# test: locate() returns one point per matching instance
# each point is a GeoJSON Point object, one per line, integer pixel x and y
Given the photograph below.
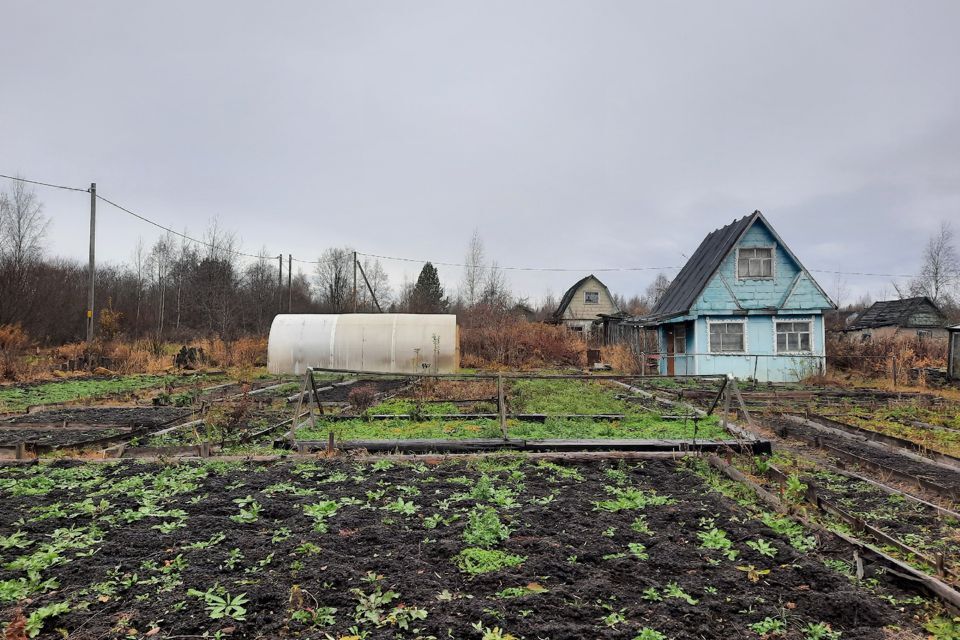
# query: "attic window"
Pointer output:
{"type": "Point", "coordinates": [591, 297]}
{"type": "Point", "coordinates": [755, 262]}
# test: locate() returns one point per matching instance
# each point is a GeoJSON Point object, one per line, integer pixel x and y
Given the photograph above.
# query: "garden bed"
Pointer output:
{"type": "Point", "coordinates": [386, 550]}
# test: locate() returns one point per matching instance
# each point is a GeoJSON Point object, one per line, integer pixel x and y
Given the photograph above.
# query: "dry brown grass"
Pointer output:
{"type": "Point", "coordinates": [13, 343]}
{"type": "Point", "coordinates": [512, 343]}
{"type": "Point", "coordinates": [620, 357]}
{"type": "Point", "coordinates": [875, 357]}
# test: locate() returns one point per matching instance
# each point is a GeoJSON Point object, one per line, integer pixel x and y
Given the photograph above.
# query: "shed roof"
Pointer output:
{"type": "Point", "coordinates": [888, 313]}
{"type": "Point", "coordinates": [568, 296]}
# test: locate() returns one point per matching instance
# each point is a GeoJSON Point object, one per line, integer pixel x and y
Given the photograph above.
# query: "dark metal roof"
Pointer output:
{"type": "Point", "coordinates": [888, 313]}
{"type": "Point", "coordinates": [568, 296]}
{"type": "Point", "coordinates": [695, 275]}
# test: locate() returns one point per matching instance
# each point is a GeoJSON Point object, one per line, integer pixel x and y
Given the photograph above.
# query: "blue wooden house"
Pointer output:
{"type": "Point", "coordinates": [742, 305]}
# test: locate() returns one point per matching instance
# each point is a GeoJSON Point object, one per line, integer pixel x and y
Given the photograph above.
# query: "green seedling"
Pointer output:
{"type": "Point", "coordinates": [769, 627]}
{"type": "Point", "coordinates": [649, 634]}
{"type": "Point", "coordinates": [716, 539]}
{"type": "Point", "coordinates": [36, 620]}
{"type": "Point", "coordinates": [484, 528]}
{"type": "Point", "coordinates": [763, 547]}
{"type": "Point", "coordinates": [475, 561]}
{"type": "Point", "coordinates": [222, 606]}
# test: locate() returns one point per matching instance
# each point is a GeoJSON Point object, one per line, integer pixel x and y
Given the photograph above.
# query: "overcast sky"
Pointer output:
{"type": "Point", "coordinates": [572, 134]}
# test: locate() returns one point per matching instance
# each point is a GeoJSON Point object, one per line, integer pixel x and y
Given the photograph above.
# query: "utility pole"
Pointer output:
{"type": "Point", "coordinates": [93, 260]}
{"type": "Point", "coordinates": [280, 284]}
{"type": "Point", "coordinates": [354, 281]}
{"type": "Point", "coordinates": [289, 283]}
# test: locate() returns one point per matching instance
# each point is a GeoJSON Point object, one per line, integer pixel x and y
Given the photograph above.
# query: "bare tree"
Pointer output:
{"type": "Point", "coordinates": [334, 278]}
{"type": "Point", "coordinates": [261, 281]}
{"type": "Point", "coordinates": [656, 289]}
{"type": "Point", "coordinates": [475, 277]}
{"type": "Point", "coordinates": [496, 290]}
{"type": "Point", "coordinates": [379, 282]}
{"type": "Point", "coordinates": [940, 273]}
{"type": "Point", "coordinates": [22, 229]}
{"type": "Point", "coordinates": [139, 266]}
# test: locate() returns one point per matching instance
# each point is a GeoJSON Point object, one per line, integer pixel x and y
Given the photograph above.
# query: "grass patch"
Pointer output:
{"type": "Point", "coordinates": [19, 398]}
{"type": "Point", "coordinates": [476, 561]}
{"type": "Point", "coordinates": [648, 426]}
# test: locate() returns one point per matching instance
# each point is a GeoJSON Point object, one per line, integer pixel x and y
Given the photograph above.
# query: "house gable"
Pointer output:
{"type": "Point", "coordinates": [789, 287]}
{"type": "Point", "coordinates": [575, 304]}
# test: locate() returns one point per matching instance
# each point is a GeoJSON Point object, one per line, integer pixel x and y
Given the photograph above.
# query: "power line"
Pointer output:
{"type": "Point", "coordinates": [45, 184]}
{"type": "Point", "coordinates": [417, 260]}
{"type": "Point", "coordinates": [211, 245]}
{"type": "Point", "coordinates": [562, 269]}
{"type": "Point", "coordinates": [856, 273]}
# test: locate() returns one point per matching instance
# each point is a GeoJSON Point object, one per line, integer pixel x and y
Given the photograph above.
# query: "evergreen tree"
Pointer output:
{"type": "Point", "coordinates": [428, 293]}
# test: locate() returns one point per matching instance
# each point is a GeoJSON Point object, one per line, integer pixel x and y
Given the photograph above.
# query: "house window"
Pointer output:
{"type": "Point", "coordinates": [591, 297]}
{"type": "Point", "coordinates": [727, 337]}
{"type": "Point", "coordinates": [923, 334]}
{"type": "Point", "coordinates": [756, 262]}
{"type": "Point", "coordinates": [680, 339]}
{"type": "Point", "coordinates": [793, 337]}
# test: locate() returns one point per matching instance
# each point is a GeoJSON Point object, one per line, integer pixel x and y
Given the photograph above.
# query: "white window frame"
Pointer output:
{"type": "Point", "coordinates": [773, 262]}
{"type": "Point", "coordinates": [587, 293]}
{"type": "Point", "coordinates": [746, 345]}
{"type": "Point", "coordinates": [786, 319]}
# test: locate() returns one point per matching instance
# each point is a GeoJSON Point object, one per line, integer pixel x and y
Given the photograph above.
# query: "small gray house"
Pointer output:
{"type": "Point", "coordinates": [916, 317]}
{"type": "Point", "coordinates": [584, 304]}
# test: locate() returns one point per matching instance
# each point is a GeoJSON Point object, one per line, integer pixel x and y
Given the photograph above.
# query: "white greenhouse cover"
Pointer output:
{"type": "Point", "coordinates": [374, 342]}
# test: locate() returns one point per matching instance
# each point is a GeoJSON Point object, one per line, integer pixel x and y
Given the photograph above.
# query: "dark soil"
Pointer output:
{"type": "Point", "coordinates": [139, 576]}
{"type": "Point", "coordinates": [340, 393]}
{"type": "Point", "coordinates": [84, 426]}
{"type": "Point", "coordinates": [119, 416]}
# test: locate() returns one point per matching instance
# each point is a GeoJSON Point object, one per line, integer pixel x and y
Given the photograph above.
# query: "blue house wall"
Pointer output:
{"type": "Point", "coordinates": [790, 294]}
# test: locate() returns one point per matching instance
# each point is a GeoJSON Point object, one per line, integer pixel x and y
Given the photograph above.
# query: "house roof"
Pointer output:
{"type": "Point", "coordinates": [568, 296]}
{"type": "Point", "coordinates": [704, 262]}
{"type": "Point", "coordinates": [889, 313]}
{"type": "Point", "coordinates": [683, 291]}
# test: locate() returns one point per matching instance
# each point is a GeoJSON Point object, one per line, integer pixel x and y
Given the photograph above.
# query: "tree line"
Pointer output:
{"type": "Point", "coordinates": [176, 289]}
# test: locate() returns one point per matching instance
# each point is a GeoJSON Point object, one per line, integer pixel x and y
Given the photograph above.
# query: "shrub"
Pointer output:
{"type": "Point", "coordinates": [13, 342]}
{"type": "Point", "coordinates": [874, 358]}
{"type": "Point", "coordinates": [511, 343]}
{"type": "Point", "coordinates": [362, 397]}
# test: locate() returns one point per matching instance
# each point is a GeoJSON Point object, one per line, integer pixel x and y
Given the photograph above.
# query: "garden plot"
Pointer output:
{"type": "Point", "coordinates": [929, 530]}
{"type": "Point", "coordinates": [78, 427]}
{"type": "Point", "coordinates": [19, 398]}
{"type": "Point", "coordinates": [544, 409]}
{"type": "Point", "coordinates": [939, 479]}
{"type": "Point", "coordinates": [491, 548]}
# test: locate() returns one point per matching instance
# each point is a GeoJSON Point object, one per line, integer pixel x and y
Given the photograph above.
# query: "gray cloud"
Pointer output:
{"type": "Point", "coordinates": [571, 133]}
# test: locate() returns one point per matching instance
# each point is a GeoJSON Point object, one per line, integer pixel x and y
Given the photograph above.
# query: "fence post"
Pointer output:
{"type": "Point", "coordinates": [502, 406]}
{"type": "Point", "coordinates": [894, 371]}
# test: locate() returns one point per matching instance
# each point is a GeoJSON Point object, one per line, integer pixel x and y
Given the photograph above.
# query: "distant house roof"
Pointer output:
{"type": "Point", "coordinates": [568, 296]}
{"type": "Point", "coordinates": [900, 313]}
{"type": "Point", "coordinates": [704, 262]}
